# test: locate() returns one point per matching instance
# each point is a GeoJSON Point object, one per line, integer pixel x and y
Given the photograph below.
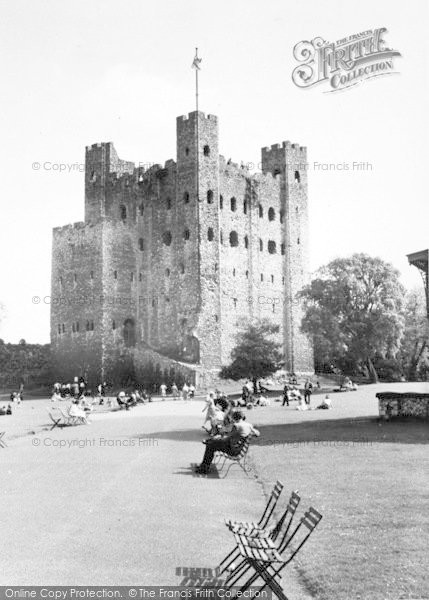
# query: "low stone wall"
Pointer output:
{"type": "Point", "coordinates": [399, 405]}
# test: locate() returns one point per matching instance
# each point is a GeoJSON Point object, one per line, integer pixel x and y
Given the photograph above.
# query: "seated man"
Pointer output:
{"type": "Point", "coordinates": [123, 400]}
{"type": "Point", "coordinates": [230, 443]}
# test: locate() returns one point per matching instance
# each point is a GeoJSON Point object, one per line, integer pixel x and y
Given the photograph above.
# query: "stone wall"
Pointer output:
{"type": "Point", "coordinates": [393, 405]}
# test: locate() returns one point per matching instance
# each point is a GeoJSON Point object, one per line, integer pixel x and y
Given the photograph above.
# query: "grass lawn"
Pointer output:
{"type": "Point", "coordinates": [370, 482]}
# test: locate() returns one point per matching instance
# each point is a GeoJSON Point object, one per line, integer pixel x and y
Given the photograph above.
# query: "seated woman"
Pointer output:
{"type": "Point", "coordinates": [77, 411]}
{"type": "Point", "coordinates": [230, 443]}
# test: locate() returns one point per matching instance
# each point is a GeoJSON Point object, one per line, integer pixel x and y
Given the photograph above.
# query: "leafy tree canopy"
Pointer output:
{"type": "Point", "coordinates": [353, 311]}
{"type": "Point", "coordinates": [256, 354]}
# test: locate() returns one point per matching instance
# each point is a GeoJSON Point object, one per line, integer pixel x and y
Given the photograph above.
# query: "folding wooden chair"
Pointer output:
{"type": "Point", "coordinates": [56, 420]}
{"type": "Point", "coordinates": [263, 539]}
{"type": "Point", "coordinates": [267, 563]}
{"type": "Point", "coordinates": [239, 459]}
{"type": "Point", "coordinates": [68, 419]}
{"type": "Point", "coordinates": [250, 527]}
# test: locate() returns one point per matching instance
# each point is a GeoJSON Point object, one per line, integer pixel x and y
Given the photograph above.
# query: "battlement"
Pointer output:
{"type": "Point", "coordinates": [70, 227]}
{"type": "Point", "coordinates": [192, 115]}
{"type": "Point", "coordinates": [287, 144]}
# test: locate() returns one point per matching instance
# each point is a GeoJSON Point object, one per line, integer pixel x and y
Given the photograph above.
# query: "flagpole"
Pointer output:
{"type": "Point", "coordinates": [198, 129]}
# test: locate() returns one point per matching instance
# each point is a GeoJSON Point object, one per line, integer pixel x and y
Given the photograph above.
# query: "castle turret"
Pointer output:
{"type": "Point", "coordinates": [289, 162]}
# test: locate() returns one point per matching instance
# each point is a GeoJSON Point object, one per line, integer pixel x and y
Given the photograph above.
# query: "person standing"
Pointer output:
{"type": "Point", "coordinates": [286, 395]}
{"type": "Point", "coordinates": [191, 391]}
{"type": "Point", "coordinates": [175, 391]}
{"type": "Point", "coordinates": [163, 390]}
{"type": "Point", "coordinates": [185, 391]}
{"type": "Point", "coordinates": [308, 390]}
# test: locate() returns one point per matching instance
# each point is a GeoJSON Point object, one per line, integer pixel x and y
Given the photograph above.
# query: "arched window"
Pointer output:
{"type": "Point", "coordinates": [282, 216]}
{"type": "Point", "coordinates": [115, 274]}
{"type": "Point", "coordinates": [246, 241]}
{"type": "Point", "coordinates": [206, 150]}
{"type": "Point", "coordinates": [221, 236]}
{"type": "Point", "coordinates": [129, 333]}
{"type": "Point", "coordinates": [166, 238]}
{"type": "Point", "coordinates": [141, 244]}
{"type": "Point", "coordinates": [140, 276]}
{"type": "Point", "coordinates": [283, 248]}
{"type": "Point", "coordinates": [186, 197]}
{"type": "Point", "coordinates": [221, 201]}
{"type": "Point", "coordinates": [233, 239]}
{"type": "Point", "coordinates": [272, 278]}
{"type": "Point", "coordinates": [247, 274]}
{"type": "Point", "coordinates": [91, 275]}
{"type": "Point", "coordinates": [141, 209]}
{"type": "Point", "coordinates": [272, 249]}
{"type": "Point", "coordinates": [245, 207]}
{"type": "Point", "coordinates": [233, 204]}
{"type": "Point", "coordinates": [262, 277]}
{"type": "Point", "coordinates": [261, 245]}
{"type": "Point", "coordinates": [210, 234]}
{"type": "Point", "coordinates": [91, 326]}
{"type": "Point", "coordinates": [167, 272]}
{"type": "Point", "coordinates": [186, 234]}
{"type": "Point", "coordinates": [123, 212]}
{"type": "Point", "coordinates": [187, 151]}
{"type": "Point", "coordinates": [132, 276]}
{"type": "Point", "coordinates": [233, 272]}
{"type": "Point", "coordinates": [261, 211]}
{"type": "Point", "coordinates": [113, 324]}
{"type": "Point", "coordinates": [271, 214]}
{"type": "Point", "coordinates": [168, 202]}
{"type": "Point", "coordinates": [182, 268]}
{"type": "Point", "coordinates": [77, 326]}
{"type": "Point", "coordinates": [297, 177]}
{"type": "Point", "coordinates": [210, 196]}
{"type": "Point", "coordinates": [88, 325]}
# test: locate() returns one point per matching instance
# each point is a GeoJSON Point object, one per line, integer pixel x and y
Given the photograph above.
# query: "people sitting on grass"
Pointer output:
{"type": "Point", "coordinates": [123, 400]}
{"type": "Point", "coordinates": [230, 443]}
{"type": "Point", "coordinates": [326, 403]}
{"type": "Point", "coordinates": [6, 410]}
{"type": "Point", "coordinates": [347, 386]}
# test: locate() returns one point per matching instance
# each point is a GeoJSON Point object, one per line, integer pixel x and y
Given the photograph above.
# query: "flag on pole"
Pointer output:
{"type": "Point", "coordinates": [196, 63]}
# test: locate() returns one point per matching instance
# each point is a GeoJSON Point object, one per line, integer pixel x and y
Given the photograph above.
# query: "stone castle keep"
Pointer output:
{"type": "Point", "coordinates": [171, 261]}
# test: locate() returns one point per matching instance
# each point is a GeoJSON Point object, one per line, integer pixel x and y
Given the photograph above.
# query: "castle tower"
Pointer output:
{"type": "Point", "coordinates": [198, 197]}
{"type": "Point", "coordinates": [289, 162]}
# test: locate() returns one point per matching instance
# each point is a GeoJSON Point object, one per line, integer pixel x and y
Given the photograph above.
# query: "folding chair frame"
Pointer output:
{"type": "Point", "coordinates": [263, 565]}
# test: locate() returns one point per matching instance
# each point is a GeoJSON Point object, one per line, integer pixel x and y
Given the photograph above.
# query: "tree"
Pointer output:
{"type": "Point", "coordinates": [256, 354]}
{"type": "Point", "coordinates": [414, 345]}
{"type": "Point", "coordinates": [353, 311]}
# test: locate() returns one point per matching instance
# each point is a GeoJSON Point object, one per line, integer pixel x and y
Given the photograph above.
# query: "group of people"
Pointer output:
{"type": "Point", "coordinates": [186, 393]}
{"type": "Point", "coordinates": [75, 390]}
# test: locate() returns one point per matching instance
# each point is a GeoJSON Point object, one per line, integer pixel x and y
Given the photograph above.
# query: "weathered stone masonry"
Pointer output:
{"type": "Point", "coordinates": [171, 260]}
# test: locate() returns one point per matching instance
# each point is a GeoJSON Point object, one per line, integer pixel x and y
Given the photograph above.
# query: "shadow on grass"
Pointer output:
{"type": "Point", "coordinates": [356, 431]}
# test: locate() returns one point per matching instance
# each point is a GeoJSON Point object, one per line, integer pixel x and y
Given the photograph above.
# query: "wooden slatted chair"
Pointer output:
{"type": "Point", "coordinates": [267, 563]}
{"type": "Point", "coordinates": [262, 540]}
{"type": "Point", "coordinates": [57, 420]}
{"type": "Point", "coordinates": [250, 527]}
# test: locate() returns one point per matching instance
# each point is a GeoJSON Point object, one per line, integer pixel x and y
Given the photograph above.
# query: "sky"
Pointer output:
{"type": "Point", "coordinates": [76, 73]}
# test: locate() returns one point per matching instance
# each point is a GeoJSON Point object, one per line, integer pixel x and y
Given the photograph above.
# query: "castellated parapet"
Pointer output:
{"type": "Point", "coordinates": [172, 260]}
